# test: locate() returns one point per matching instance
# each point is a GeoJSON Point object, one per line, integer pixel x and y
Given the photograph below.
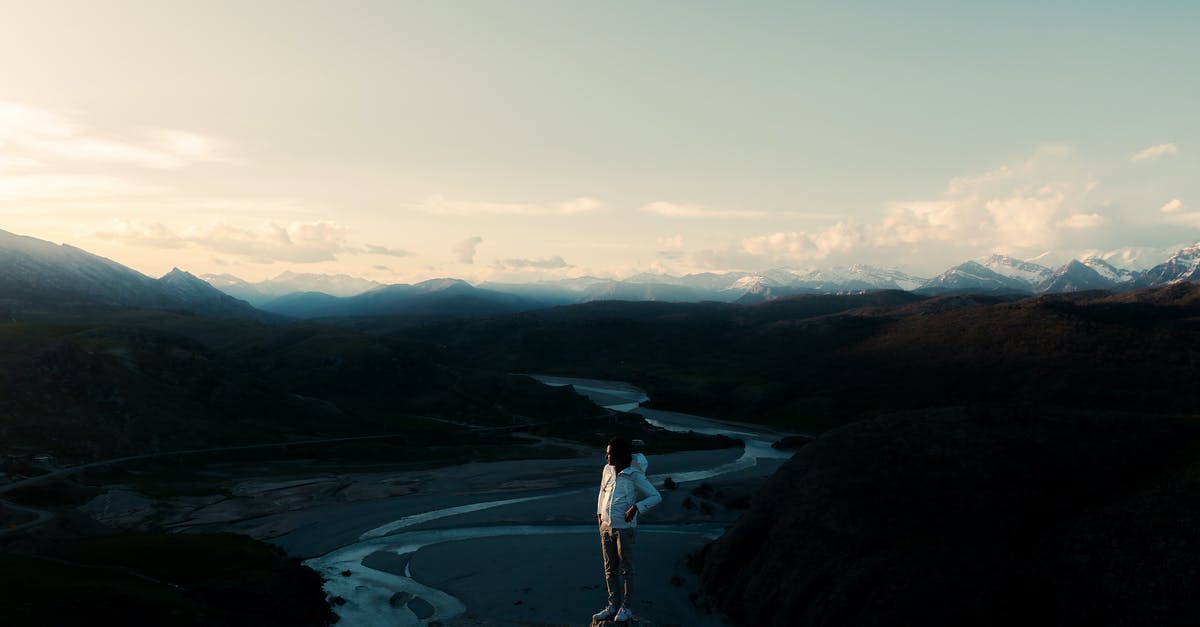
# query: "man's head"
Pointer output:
{"type": "Point", "coordinates": [619, 453]}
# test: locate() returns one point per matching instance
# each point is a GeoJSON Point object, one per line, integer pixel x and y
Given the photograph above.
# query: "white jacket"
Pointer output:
{"type": "Point", "coordinates": [619, 491]}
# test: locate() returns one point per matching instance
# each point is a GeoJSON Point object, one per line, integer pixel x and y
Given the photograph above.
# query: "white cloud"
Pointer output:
{"type": "Point", "coordinates": [583, 204]}
{"type": "Point", "coordinates": [464, 251]}
{"type": "Point", "coordinates": [192, 146]}
{"type": "Point", "coordinates": [440, 205]}
{"type": "Point", "coordinates": [1025, 217]}
{"type": "Point", "coordinates": [53, 139]}
{"type": "Point", "coordinates": [1154, 152]}
{"type": "Point", "coordinates": [373, 249]}
{"type": "Point", "coordinates": [550, 263]}
{"type": "Point", "coordinates": [11, 163]}
{"type": "Point", "coordinates": [154, 235]}
{"type": "Point", "coordinates": [674, 242]}
{"type": "Point", "coordinates": [297, 242]}
{"type": "Point", "coordinates": [840, 237]}
{"type": "Point", "coordinates": [41, 187]}
{"type": "Point", "coordinates": [1082, 221]}
{"type": "Point", "coordinates": [18, 122]}
{"type": "Point", "coordinates": [1026, 206]}
{"type": "Point", "coordinates": [677, 210]}
{"type": "Point", "coordinates": [962, 183]}
{"type": "Point", "coordinates": [1173, 206]}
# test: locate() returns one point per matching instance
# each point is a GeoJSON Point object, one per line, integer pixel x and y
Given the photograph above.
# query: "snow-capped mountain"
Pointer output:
{"type": "Point", "coordinates": [1109, 271]}
{"type": "Point", "coordinates": [858, 277]}
{"type": "Point", "coordinates": [1029, 273]}
{"type": "Point", "coordinates": [1075, 276]}
{"type": "Point", "coordinates": [1182, 266]}
{"type": "Point", "coordinates": [972, 275]}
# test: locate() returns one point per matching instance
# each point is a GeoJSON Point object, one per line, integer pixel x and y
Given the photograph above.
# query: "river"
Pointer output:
{"type": "Point", "coordinates": [483, 547]}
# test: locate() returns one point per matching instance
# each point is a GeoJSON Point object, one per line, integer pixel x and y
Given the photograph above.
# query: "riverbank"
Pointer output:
{"type": "Point", "coordinates": [490, 547]}
{"type": "Point", "coordinates": [416, 543]}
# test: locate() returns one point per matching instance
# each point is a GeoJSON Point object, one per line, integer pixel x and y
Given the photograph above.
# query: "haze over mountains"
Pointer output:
{"type": "Point", "coordinates": [42, 271]}
{"type": "Point", "coordinates": [996, 274]}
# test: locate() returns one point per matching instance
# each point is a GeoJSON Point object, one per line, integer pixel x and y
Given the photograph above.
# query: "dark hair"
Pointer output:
{"type": "Point", "coordinates": [622, 451]}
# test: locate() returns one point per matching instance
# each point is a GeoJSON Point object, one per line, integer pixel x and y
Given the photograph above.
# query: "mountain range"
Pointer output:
{"type": "Point", "coordinates": [999, 274]}
{"type": "Point", "coordinates": [35, 270]}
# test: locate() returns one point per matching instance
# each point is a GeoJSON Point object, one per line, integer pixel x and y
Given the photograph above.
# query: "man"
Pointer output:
{"type": "Point", "coordinates": [617, 510]}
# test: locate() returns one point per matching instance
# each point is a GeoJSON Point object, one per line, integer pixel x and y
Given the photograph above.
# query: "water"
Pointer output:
{"type": "Point", "coordinates": [369, 592]}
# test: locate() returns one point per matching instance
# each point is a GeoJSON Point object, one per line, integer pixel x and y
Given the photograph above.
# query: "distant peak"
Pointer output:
{"type": "Point", "coordinates": [177, 273]}
{"type": "Point", "coordinates": [441, 284]}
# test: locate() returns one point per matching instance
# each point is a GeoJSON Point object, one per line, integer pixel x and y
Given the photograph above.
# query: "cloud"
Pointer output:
{"type": "Point", "coordinates": [372, 249]}
{"type": "Point", "coordinates": [192, 147]}
{"type": "Point", "coordinates": [674, 242]}
{"type": "Point", "coordinates": [677, 210]}
{"type": "Point", "coordinates": [298, 242]}
{"type": "Point", "coordinates": [440, 205]}
{"type": "Point", "coordinates": [1028, 206]}
{"type": "Point", "coordinates": [49, 138]}
{"type": "Point", "coordinates": [551, 263]}
{"type": "Point", "coordinates": [961, 183]}
{"type": "Point", "coordinates": [1154, 152]}
{"type": "Point", "coordinates": [11, 163]}
{"type": "Point", "coordinates": [1082, 221]}
{"type": "Point", "coordinates": [673, 255]}
{"type": "Point", "coordinates": [464, 251]}
{"type": "Point", "coordinates": [840, 237]}
{"type": "Point", "coordinates": [29, 187]}
{"type": "Point", "coordinates": [1173, 206]}
{"type": "Point", "coordinates": [145, 235]}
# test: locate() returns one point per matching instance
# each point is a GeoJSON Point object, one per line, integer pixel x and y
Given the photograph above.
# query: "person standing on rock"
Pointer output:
{"type": "Point", "coordinates": [617, 510]}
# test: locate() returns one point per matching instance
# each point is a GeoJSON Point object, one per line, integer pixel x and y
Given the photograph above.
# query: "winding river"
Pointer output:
{"type": "Point", "coordinates": [370, 573]}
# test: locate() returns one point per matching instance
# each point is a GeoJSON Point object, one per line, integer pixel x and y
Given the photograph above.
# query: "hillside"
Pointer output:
{"type": "Point", "coordinates": [140, 382]}
{"type": "Point", "coordinates": [811, 362]}
{"type": "Point", "coordinates": [36, 274]}
{"type": "Point", "coordinates": [972, 516]}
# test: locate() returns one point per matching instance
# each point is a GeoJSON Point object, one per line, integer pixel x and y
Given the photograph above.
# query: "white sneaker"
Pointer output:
{"type": "Point", "coordinates": [623, 614]}
{"type": "Point", "coordinates": [604, 613]}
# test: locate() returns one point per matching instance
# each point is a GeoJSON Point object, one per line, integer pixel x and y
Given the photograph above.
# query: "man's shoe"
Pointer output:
{"type": "Point", "coordinates": [623, 614]}
{"type": "Point", "coordinates": [604, 613]}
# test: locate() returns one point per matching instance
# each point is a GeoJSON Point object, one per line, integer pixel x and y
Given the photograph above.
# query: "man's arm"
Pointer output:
{"type": "Point", "coordinates": [600, 495]}
{"type": "Point", "coordinates": [644, 486]}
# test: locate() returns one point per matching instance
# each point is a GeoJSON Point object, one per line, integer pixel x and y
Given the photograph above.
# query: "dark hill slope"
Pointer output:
{"type": "Point", "coordinates": [141, 382]}
{"type": "Point", "coordinates": [434, 298]}
{"type": "Point", "coordinates": [815, 361]}
{"type": "Point", "coordinates": [36, 275]}
{"type": "Point", "coordinates": [972, 517]}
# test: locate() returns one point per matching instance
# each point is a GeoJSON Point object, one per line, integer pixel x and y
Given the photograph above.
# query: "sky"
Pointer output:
{"type": "Point", "coordinates": [532, 140]}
